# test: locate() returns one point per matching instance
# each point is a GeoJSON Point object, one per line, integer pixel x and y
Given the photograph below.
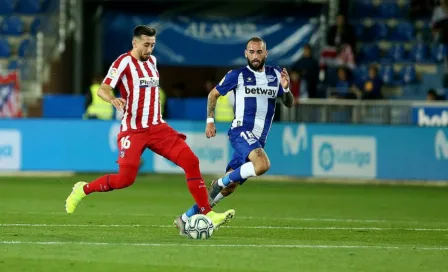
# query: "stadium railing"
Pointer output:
{"type": "Point", "coordinates": [379, 112]}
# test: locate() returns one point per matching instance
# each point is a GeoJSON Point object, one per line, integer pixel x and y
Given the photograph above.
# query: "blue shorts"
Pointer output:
{"type": "Point", "coordinates": [243, 142]}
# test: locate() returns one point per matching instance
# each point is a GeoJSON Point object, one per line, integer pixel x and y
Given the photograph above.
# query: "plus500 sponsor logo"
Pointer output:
{"type": "Point", "coordinates": [433, 117]}
{"type": "Point", "coordinates": [341, 156]}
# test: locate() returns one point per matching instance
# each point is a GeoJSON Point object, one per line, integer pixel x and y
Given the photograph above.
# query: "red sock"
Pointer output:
{"type": "Point", "coordinates": [101, 184]}
{"type": "Point", "coordinates": [199, 192]}
{"type": "Point", "coordinates": [125, 177]}
{"type": "Point", "coordinates": [190, 163]}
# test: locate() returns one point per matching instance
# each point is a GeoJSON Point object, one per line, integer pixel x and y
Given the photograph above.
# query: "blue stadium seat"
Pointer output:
{"type": "Point", "coordinates": [397, 52]}
{"type": "Point", "coordinates": [419, 52]}
{"type": "Point", "coordinates": [387, 74]}
{"type": "Point", "coordinates": [370, 52]}
{"type": "Point", "coordinates": [28, 6]}
{"type": "Point", "coordinates": [5, 48]}
{"type": "Point", "coordinates": [13, 65]}
{"type": "Point", "coordinates": [6, 7]}
{"type": "Point", "coordinates": [379, 31]}
{"type": "Point", "coordinates": [27, 48]}
{"type": "Point", "coordinates": [403, 31]}
{"type": "Point", "coordinates": [388, 10]}
{"type": "Point", "coordinates": [12, 26]}
{"type": "Point", "coordinates": [439, 52]}
{"type": "Point", "coordinates": [408, 74]}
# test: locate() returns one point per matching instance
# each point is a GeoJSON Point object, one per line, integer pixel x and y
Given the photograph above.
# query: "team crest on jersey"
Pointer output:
{"type": "Point", "coordinates": [148, 82]}
{"type": "Point", "coordinates": [271, 78]}
{"type": "Point", "coordinates": [112, 73]}
{"type": "Point", "coordinates": [122, 153]}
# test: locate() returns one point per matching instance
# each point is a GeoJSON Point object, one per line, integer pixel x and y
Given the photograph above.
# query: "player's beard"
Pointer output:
{"type": "Point", "coordinates": [258, 67]}
{"type": "Point", "coordinates": [145, 57]}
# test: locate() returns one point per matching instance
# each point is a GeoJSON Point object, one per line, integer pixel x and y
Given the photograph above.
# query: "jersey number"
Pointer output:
{"type": "Point", "coordinates": [125, 142]}
{"type": "Point", "coordinates": [249, 137]}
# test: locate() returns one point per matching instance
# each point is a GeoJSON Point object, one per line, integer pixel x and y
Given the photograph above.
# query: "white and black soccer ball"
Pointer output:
{"type": "Point", "coordinates": [199, 226]}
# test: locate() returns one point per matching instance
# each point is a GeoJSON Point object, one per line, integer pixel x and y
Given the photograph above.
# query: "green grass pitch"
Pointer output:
{"type": "Point", "coordinates": [279, 226]}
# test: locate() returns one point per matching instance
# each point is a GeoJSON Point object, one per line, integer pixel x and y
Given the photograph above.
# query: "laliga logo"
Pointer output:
{"type": "Point", "coordinates": [435, 120]}
{"type": "Point", "coordinates": [440, 145]}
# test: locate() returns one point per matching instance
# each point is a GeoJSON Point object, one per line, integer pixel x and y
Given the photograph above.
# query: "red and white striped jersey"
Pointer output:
{"type": "Point", "coordinates": [10, 99]}
{"type": "Point", "coordinates": [138, 82]}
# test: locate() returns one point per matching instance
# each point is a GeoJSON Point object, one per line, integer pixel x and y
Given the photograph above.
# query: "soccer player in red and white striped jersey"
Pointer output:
{"type": "Point", "coordinates": [135, 75]}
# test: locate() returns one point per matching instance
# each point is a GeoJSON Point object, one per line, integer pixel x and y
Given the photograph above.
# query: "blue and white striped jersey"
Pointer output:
{"type": "Point", "coordinates": [255, 97]}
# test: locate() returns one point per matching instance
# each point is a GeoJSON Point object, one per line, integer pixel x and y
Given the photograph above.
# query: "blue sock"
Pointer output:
{"type": "Point", "coordinates": [193, 210]}
{"type": "Point", "coordinates": [226, 180]}
{"type": "Point", "coordinates": [234, 176]}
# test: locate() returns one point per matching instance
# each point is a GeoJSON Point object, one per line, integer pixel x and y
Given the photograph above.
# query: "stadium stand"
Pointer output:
{"type": "Point", "coordinates": [20, 21]}
{"type": "Point", "coordinates": [410, 59]}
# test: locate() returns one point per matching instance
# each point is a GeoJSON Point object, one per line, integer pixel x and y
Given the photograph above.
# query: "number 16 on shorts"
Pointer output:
{"type": "Point", "coordinates": [125, 142]}
{"type": "Point", "coordinates": [249, 137]}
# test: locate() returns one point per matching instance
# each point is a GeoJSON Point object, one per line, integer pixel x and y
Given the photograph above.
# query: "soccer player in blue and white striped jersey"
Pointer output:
{"type": "Point", "coordinates": [256, 88]}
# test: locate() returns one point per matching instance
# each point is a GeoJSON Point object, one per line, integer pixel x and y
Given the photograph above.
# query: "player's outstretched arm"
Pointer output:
{"type": "Point", "coordinates": [287, 98]}
{"type": "Point", "coordinates": [106, 93]}
{"type": "Point", "coordinates": [210, 130]}
{"type": "Point", "coordinates": [211, 103]}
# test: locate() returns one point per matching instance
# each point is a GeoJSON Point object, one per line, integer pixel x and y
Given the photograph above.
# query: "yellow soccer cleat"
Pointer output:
{"type": "Point", "coordinates": [75, 197]}
{"type": "Point", "coordinates": [220, 218]}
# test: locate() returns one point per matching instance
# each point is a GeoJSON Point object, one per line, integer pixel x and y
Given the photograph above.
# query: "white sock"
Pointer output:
{"type": "Point", "coordinates": [220, 183]}
{"type": "Point", "coordinates": [247, 170]}
{"type": "Point", "coordinates": [184, 217]}
{"type": "Point", "coordinates": [218, 198]}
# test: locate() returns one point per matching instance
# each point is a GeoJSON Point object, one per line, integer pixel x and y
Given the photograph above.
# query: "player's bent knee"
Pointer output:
{"type": "Point", "coordinates": [126, 181]}
{"type": "Point", "coordinates": [262, 167]}
{"type": "Point", "coordinates": [189, 160]}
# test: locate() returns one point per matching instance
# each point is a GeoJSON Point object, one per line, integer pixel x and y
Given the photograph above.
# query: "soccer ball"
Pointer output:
{"type": "Point", "coordinates": [199, 226]}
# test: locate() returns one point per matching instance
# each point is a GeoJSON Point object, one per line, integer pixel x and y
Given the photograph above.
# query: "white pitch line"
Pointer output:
{"type": "Point", "coordinates": [222, 245]}
{"type": "Point", "coordinates": [324, 219]}
{"type": "Point", "coordinates": [232, 227]}
{"type": "Point", "coordinates": [310, 219]}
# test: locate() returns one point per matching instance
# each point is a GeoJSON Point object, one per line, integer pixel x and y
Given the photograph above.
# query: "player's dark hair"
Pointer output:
{"type": "Point", "coordinates": [144, 30]}
{"type": "Point", "coordinates": [256, 39]}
